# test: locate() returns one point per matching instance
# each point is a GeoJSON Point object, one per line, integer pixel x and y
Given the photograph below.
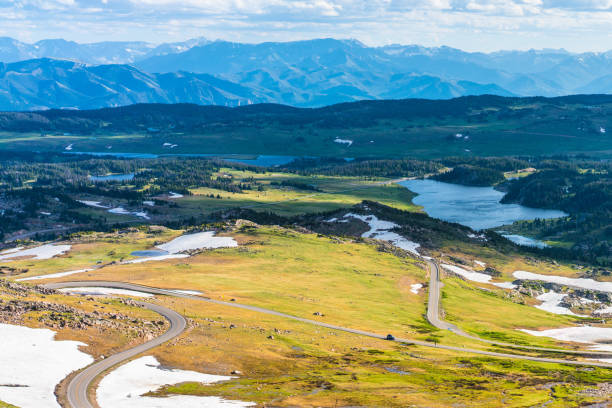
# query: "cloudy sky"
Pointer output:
{"type": "Point", "coordinates": [475, 25]}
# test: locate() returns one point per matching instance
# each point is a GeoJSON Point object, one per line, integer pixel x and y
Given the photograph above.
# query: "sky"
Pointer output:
{"type": "Point", "coordinates": [472, 25]}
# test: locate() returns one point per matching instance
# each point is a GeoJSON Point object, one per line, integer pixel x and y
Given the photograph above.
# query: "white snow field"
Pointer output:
{"type": "Point", "coordinates": [550, 303]}
{"type": "Point", "coordinates": [599, 337]}
{"type": "Point", "coordinates": [54, 275]}
{"type": "Point", "coordinates": [343, 141]}
{"type": "Point", "coordinates": [469, 275]}
{"type": "Point", "coordinates": [124, 387]}
{"type": "Point", "coordinates": [415, 287]}
{"type": "Point", "coordinates": [95, 204]}
{"type": "Point", "coordinates": [156, 258]}
{"type": "Point", "coordinates": [188, 292]}
{"type": "Point", "coordinates": [34, 363]}
{"type": "Point", "coordinates": [94, 290]}
{"type": "Point", "coordinates": [198, 240]}
{"type": "Point", "coordinates": [562, 280]}
{"type": "Point", "coordinates": [46, 251]}
{"type": "Point", "coordinates": [174, 195]}
{"type": "Point", "coordinates": [504, 285]}
{"type": "Point", "coordinates": [380, 229]}
{"type": "Point", "coordinates": [476, 276]}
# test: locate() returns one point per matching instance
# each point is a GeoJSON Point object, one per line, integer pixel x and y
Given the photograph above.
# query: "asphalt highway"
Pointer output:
{"type": "Point", "coordinates": [78, 386]}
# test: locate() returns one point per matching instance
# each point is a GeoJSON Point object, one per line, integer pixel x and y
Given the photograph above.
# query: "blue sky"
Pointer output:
{"type": "Point", "coordinates": [474, 25]}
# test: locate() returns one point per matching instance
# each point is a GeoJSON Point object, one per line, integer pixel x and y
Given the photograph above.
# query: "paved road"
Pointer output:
{"type": "Point", "coordinates": [433, 315]}
{"type": "Point", "coordinates": [76, 392]}
{"type": "Point", "coordinates": [79, 390]}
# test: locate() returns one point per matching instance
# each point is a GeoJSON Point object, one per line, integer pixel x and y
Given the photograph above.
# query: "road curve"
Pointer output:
{"type": "Point", "coordinates": [433, 316]}
{"type": "Point", "coordinates": [76, 393]}
{"type": "Point", "coordinates": [168, 292]}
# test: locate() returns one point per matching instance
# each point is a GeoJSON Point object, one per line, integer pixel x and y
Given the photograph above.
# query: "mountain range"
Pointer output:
{"type": "Point", "coordinates": [65, 74]}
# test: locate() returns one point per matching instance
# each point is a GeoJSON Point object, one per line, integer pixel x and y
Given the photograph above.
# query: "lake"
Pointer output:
{"type": "Point", "coordinates": [254, 160]}
{"type": "Point", "coordinates": [476, 207]}
{"type": "Point", "coordinates": [149, 252]}
{"type": "Point", "coordinates": [113, 177]}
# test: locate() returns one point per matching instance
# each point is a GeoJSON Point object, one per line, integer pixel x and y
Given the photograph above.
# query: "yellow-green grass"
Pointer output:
{"type": "Point", "coordinates": [332, 193]}
{"type": "Point", "coordinates": [91, 249]}
{"type": "Point", "coordinates": [302, 365]}
{"type": "Point", "coordinates": [336, 192]}
{"type": "Point", "coordinates": [350, 283]}
{"type": "Point", "coordinates": [5, 405]}
{"type": "Point", "coordinates": [507, 263]}
{"type": "Point", "coordinates": [490, 314]}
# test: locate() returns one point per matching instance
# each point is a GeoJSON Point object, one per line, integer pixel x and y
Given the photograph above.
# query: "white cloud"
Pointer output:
{"type": "Point", "coordinates": [467, 24]}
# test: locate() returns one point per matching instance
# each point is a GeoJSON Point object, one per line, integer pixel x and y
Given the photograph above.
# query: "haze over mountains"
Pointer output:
{"type": "Point", "coordinates": [303, 73]}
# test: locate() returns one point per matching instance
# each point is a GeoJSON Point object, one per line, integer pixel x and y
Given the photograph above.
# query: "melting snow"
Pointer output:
{"type": "Point", "coordinates": [599, 337]}
{"type": "Point", "coordinates": [469, 275]}
{"type": "Point", "coordinates": [174, 195]}
{"type": "Point", "coordinates": [343, 141]}
{"type": "Point", "coordinates": [480, 263]}
{"type": "Point", "coordinates": [379, 229]}
{"type": "Point", "coordinates": [33, 361]}
{"type": "Point", "coordinates": [93, 204]}
{"type": "Point", "coordinates": [505, 285]}
{"type": "Point", "coordinates": [46, 251]}
{"type": "Point", "coordinates": [104, 291]}
{"type": "Point", "coordinates": [415, 287]}
{"type": "Point", "coordinates": [550, 303]}
{"type": "Point", "coordinates": [54, 275]}
{"type": "Point", "coordinates": [125, 386]}
{"type": "Point", "coordinates": [149, 203]}
{"type": "Point", "coordinates": [197, 241]}
{"type": "Point", "coordinates": [562, 280]}
{"type": "Point", "coordinates": [123, 211]}
{"type": "Point", "coordinates": [157, 258]}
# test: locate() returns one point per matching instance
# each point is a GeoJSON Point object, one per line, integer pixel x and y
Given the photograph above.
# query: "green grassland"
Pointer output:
{"type": "Point", "coordinates": [495, 128]}
{"type": "Point", "coordinates": [330, 193]}
{"type": "Point", "coordinates": [349, 283]}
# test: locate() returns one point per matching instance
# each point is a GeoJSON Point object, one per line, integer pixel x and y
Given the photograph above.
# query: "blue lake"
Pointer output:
{"type": "Point", "coordinates": [476, 207]}
{"type": "Point", "coordinates": [149, 252]}
{"type": "Point", "coordinates": [525, 241]}
{"type": "Point", "coordinates": [113, 177]}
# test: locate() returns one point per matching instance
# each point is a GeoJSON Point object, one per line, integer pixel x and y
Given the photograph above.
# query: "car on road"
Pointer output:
{"type": "Point", "coordinates": [390, 337]}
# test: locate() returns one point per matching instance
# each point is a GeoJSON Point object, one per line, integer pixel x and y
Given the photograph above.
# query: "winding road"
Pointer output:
{"type": "Point", "coordinates": [433, 316]}
{"type": "Point", "coordinates": [77, 390]}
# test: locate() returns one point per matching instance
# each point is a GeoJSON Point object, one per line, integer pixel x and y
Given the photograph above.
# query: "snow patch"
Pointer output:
{"type": "Point", "coordinates": [54, 275]}
{"type": "Point", "coordinates": [95, 204]}
{"type": "Point", "coordinates": [123, 211]}
{"type": "Point", "coordinates": [415, 287]}
{"type": "Point", "coordinates": [550, 303]}
{"type": "Point", "coordinates": [480, 263]}
{"type": "Point", "coordinates": [198, 240]}
{"type": "Point", "coordinates": [125, 386]}
{"type": "Point", "coordinates": [34, 361]}
{"type": "Point", "coordinates": [343, 141]}
{"type": "Point", "coordinates": [599, 337]}
{"type": "Point", "coordinates": [94, 290]}
{"type": "Point", "coordinates": [157, 258]}
{"type": "Point", "coordinates": [505, 285]}
{"type": "Point", "coordinates": [188, 292]}
{"type": "Point", "coordinates": [562, 280]}
{"type": "Point", "coordinates": [469, 275]}
{"type": "Point", "coordinates": [46, 251]}
{"type": "Point", "coordinates": [379, 229]}
{"type": "Point", "coordinates": [174, 195]}
{"type": "Point", "coordinates": [149, 203]}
